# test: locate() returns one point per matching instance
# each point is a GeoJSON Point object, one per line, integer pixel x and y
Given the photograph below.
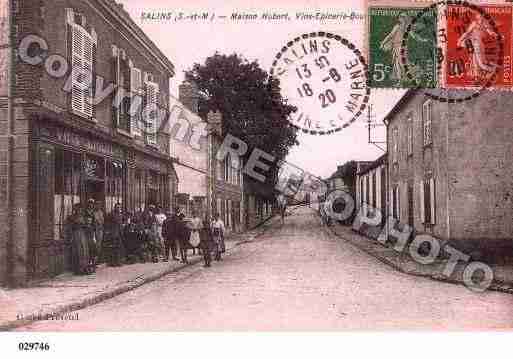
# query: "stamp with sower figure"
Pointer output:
{"type": "Point", "coordinates": [478, 44]}
{"type": "Point", "coordinates": [387, 27]}
{"type": "Point", "coordinates": [448, 44]}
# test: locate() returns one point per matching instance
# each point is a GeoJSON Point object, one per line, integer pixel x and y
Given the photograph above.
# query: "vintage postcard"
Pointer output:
{"type": "Point", "coordinates": [242, 166]}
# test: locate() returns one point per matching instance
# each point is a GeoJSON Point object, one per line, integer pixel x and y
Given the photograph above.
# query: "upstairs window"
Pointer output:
{"type": "Point", "coordinates": [219, 170]}
{"type": "Point", "coordinates": [137, 92]}
{"type": "Point", "coordinates": [395, 144]}
{"type": "Point", "coordinates": [82, 45]}
{"type": "Point", "coordinates": [409, 123]}
{"type": "Point", "coordinates": [150, 111]}
{"type": "Point", "coordinates": [427, 109]}
{"type": "Point", "coordinates": [122, 76]}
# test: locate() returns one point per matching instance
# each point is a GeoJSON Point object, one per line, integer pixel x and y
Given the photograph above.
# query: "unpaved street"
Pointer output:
{"type": "Point", "coordinates": [295, 277]}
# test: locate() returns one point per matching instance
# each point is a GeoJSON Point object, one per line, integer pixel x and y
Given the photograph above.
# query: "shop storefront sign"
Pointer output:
{"type": "Point", "coordinates": [71, 138]}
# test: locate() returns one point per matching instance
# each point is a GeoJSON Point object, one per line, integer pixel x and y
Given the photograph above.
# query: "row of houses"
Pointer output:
{"type": "Point", "coordinates": [448, 171]}
{"type": "Point", "coordinates": [60, 146]}
{"type": "Point", "coordinates": [206, 185]}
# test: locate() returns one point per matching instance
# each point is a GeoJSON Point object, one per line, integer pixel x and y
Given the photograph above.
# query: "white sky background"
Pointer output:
{"type": "Point", "coordinates": [186, 42]}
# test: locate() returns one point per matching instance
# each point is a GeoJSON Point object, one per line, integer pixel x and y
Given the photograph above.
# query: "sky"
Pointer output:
{"type": "Point", "coordinates": [186, 42]}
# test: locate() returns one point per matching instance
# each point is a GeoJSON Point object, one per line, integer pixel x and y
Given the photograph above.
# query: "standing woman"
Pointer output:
{"type": "Point", "coordinates": [99, 218]}
{"type": "Point", "coordinates": [206, 242]}
{"type": "Point", "coordinates": [151, 229]}
{"type": "Point", "coordinates": [160, 217]}
{"type": "Point", "coordinates": [196, 226]}
{"type": "Point", "coordinates": [75, 232]}
{"type": "Point", "coordinates": [90, 231]}
{"type": "Point", "coordinates": [218, 236]}
{"type": "Point", "coordinates": [183, 237]}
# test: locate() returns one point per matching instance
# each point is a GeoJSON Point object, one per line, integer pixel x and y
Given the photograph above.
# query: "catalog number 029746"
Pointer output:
{"type": "Point", "coordinates": [33, 346]}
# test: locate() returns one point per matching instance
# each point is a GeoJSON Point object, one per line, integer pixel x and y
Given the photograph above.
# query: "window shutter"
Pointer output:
{"type": "Point", "coordinates": [432, 199]}
{"type": "Point", "coordinates": [398, 202]}
{"type": "Point", "coordinates": [152, 92]}
{"type": "Point", "coordinates": [421, 192]}
{"type": "Point", "coordinates": [77, 45]}
{"type": "Point", "coordinates": [115, 61]}
{"type": "Point", "coordinates": [88, 68]}
{"type": "Point", "coordinates": [135, 89]}
{"type": "Point", "coordinates": [378, 189]}
{"type": "Point", "coordinates": [82, 61]}
{"type": "Point", "coordinates": [392, 202]}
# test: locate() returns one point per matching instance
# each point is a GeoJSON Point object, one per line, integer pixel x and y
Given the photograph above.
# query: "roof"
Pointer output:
{"type": "Point", "coordinates": [145, 41]}
{"type": "Point", "coordinates": [397, 107]}
{"type": "Point", "coordinates": [339, 172]}
{"type": "Point", "coordinates": [374, 164]}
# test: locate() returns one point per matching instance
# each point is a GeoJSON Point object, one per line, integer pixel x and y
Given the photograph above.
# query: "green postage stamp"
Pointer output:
{"type": "Point", "coordinates": [391, 59]}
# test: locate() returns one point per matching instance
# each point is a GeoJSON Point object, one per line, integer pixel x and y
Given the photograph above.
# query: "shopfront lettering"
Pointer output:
{"type": "Point", "coordinates": [70, 138]}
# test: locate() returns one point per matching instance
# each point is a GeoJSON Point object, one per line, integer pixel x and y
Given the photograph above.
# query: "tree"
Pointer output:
{"type": "Point", "coordinates": [250, 101]}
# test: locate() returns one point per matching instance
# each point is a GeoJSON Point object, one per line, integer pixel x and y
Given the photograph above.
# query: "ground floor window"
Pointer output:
{"type": "Point", "coordinates": [428, 205]}
{"type": "Point", "coordinates": [158, 189]}
{"type": "Point", "coordinates": [395, 202]}
{"type": "Point", "coordinates": [115, 184]}
{"type": "Point", "coordinates": [68, 167]}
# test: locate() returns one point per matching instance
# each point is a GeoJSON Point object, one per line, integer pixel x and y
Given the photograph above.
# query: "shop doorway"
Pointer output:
{"type": "Point", "coordinates": [95, 189]}
{"type": "Point", "coordinates": [153, 197]}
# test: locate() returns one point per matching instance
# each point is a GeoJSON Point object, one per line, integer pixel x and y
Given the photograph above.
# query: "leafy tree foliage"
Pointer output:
{"type": "Point", "coordinates": [249, 100]}
{"type": "Point", "coordinates": [251, 104]}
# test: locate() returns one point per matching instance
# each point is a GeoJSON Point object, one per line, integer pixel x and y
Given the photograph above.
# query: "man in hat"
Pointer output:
{"type": "Point", "coordinates": [115, 223]}
{"type": "Point", "coordinates": [169, 232]}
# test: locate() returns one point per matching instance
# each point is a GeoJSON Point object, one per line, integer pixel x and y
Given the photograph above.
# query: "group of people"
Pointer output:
{"type": "Point", "coordinates": [151, 234]}
{"type": "Point", "coordinates": [202, 234]}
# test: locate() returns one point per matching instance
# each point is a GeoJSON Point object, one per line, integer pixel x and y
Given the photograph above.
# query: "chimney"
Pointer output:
{"type": "Point", "coordinates": [189, 96]}
{"type": "Point", "coordinates": [215, 121]}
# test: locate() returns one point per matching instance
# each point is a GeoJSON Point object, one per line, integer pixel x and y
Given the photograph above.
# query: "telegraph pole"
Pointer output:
{"type": "Point", "coordinates": [372, 125]}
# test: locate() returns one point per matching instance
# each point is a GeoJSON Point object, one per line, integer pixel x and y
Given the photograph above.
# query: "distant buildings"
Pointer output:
{"type": "Point", "coordinates": [371, 184]}
{"type": "Point", "coordinates": [191, 160]}
{"type": "Point", "coordinates": [225, 180]}
{"type": "Point", "coordinates": [447, 172]}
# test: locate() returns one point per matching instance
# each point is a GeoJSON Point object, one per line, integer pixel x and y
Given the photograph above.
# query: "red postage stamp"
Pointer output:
{"type": "Point", "coordinates": [478, 47]}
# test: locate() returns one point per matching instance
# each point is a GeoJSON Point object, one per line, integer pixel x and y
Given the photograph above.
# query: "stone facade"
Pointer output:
{"type": "Point", "coordinates": [371, 185]}
{"type": "Point", "coordinates": [226, 180]}
{"type": "Point", "coordinates": [453, 177]}
{"type": "Point", "coordinates": [190, 151]}
{"type": "Point", "coordinates": [41, 131]}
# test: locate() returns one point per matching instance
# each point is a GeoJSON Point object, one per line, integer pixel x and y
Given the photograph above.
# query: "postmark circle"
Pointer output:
{"type": "Point", "coordinates": [459, 64]}
{"type": "Point", "coordinates": [326, 77]}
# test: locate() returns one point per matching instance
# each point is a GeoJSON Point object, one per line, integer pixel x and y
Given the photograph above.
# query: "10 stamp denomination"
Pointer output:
{"type": "Point", "coordinates": [325, 76]}
{"type": "Point", "coordinates": [478, 44]}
